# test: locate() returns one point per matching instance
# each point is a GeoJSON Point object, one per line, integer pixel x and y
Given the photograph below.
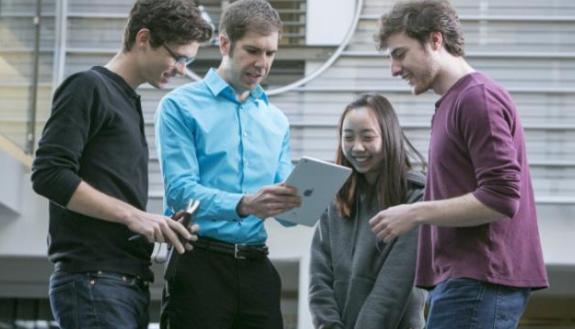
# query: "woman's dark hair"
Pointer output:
{"type": "Point", "coordinates": [391, 186]}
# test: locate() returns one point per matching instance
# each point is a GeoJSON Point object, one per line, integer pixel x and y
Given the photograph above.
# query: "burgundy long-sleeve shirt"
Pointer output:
{"type": "Point", "coordinates": [477, 146]}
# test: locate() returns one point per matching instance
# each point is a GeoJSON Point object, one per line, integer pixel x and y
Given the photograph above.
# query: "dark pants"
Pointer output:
{"type": "Point", "coordinates": [214, 290]}
{"type": "Point", "coordinates": [99, 300]}
{"type": "Point", "coordinates": [472, 304]}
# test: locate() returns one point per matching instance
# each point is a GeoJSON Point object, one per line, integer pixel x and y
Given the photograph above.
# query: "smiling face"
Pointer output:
{"type": "Point", "coordinates": [247, 62]}
{"type": "Point", "coordinates": [361, 142]}
{"type": "Point", "coordinates": [413, 62]}
{"type": "Point", "coordinates": [160, 64]}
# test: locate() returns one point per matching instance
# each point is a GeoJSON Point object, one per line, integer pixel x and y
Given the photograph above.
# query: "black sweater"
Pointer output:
{"type": "Point", "coordinates": [96, 134]}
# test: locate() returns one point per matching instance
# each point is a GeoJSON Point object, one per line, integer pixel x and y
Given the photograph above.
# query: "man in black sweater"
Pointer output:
{"type": "Point", "coordinates": [92, 163]}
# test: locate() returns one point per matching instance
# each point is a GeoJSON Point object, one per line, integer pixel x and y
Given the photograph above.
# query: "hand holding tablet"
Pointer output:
{"type": "Point", "coordinates": [317, 183]}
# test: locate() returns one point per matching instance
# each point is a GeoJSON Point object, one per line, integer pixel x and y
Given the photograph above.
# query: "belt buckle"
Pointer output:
{"type": "Point", "coordinates": [237, 252]}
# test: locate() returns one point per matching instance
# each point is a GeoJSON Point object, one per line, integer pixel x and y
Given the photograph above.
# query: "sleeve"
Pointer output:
{"type": "Point", "coordinates": [486, 124]}
{"type": "Point", "coordinates": [323, 305]}
{"type": "Point", "coordinates": [285, 166]}
{"type": "Point", "coordinates": [55, 170]}
{"type": "Point", "coordinates": [387, 302]}
{"type": "Point", "coordinates": [284, 169]}
{"type": "Point", "coordinates": [176, 147]}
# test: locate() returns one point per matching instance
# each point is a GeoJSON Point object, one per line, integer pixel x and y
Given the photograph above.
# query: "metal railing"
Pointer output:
{"type": "Point", "coordinates": [21, 77]}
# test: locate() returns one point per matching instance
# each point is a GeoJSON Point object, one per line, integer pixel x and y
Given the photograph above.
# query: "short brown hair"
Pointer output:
{"type": "Point", "coordinates": [418, 19]}
{"type": "Point", "coordinates": [169, 21]}
{"type": "Point", "coordinates": [249, 15]}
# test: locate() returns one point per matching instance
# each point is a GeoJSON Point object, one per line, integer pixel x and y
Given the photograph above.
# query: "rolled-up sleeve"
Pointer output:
{"type": "Point", "coordinates": [57, 161]}
{"type": "Point", "coordinates": [488, 129]}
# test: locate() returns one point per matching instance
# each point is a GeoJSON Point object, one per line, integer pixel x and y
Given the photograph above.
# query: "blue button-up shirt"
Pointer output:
{"type": "Point", "coordinates": [216, 149]}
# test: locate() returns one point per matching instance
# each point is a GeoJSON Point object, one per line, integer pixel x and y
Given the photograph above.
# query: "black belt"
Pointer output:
{"type": "Point", "coordinates": [238, 250]}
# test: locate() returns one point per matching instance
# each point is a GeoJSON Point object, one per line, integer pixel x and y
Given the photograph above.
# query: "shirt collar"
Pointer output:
{"type": "Point", "coordinates": [454, 88]}
{"type": "Point", "coordinates": [118, 79]}
{"type": "Point", "coordinates": [217, 85]}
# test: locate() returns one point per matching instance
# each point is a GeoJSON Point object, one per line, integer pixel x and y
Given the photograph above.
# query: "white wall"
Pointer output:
{"type": "Point", "coordinates": [22, 232]}
{"type": "Point", "coordinates": [10, 189]}
{"type": "Point", "coordinates": [293, 243]}
{"type": "Point", "coordinates": [325, 29]}
{"type": "Point", "coordinates": [557, 229]}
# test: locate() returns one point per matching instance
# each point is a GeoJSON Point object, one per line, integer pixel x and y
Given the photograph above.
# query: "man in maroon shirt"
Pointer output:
{"type": "Point", "coordinates": [479, 246]}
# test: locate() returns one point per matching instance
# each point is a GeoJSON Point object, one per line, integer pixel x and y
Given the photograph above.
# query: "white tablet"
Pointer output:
{"type": "Point", "coordinates": [317, 183]}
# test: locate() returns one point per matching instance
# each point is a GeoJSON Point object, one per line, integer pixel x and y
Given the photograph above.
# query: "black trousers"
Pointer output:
{"type": "Point", "coordinates": [217, 291]}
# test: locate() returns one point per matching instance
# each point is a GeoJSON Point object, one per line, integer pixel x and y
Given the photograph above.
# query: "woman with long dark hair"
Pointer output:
{"type": "Point", "coordinates": [356, 280]}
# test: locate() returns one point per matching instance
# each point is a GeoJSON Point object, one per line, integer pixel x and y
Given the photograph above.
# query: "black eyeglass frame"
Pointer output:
{"type": "Point", "coordinates": [182, 60]}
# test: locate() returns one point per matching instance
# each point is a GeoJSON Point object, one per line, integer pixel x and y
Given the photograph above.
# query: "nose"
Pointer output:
{"type": "Point", "coordinates": [180, 68]}
{"type": "Point", "coordinates": [262, 61]}
{"type": "Point", "coordinates": [357, 146]}
{"type": "Point", "coordinates": [395, 67]}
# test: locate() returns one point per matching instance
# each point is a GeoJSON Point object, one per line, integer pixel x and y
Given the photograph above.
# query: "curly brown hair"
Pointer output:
{"type": "Point", "coordinates": [418, 19]}
{"type": "Point", "coordinates": [169, 21]}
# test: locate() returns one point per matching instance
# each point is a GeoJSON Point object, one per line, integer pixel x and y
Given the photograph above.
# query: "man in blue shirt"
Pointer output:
{"type": "Point", "coordinates": [220, 141]}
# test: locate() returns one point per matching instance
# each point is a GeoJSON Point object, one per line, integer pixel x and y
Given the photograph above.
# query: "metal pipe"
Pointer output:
{"type": "Point", "coordinates": [359, 4]}
{"type": "Point", "coordinates": [31, 126]}
{"type": "Point", "coordinates": [330, 61]}
{"type": "Point", "coordinates": [60, 37]}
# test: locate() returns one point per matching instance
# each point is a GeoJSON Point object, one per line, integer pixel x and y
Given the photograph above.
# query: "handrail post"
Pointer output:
{"type": "Point", "coordinates": [31, 126]}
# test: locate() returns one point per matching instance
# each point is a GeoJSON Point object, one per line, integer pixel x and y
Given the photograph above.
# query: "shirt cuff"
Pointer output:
{"type": "Point", "coordinates": [229, 206]}
{"type": "Point", "coordinates": [62, 189]}
{"type": "Point", "coordinates": [504, 206]}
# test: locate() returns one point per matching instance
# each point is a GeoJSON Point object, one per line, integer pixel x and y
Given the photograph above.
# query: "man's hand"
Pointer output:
{"type": "Point", "coordinates": [88, 201]}
{"type": "Point", "coordinates": [157, 228]}
{"type": "Point", "coordinates": [392, 222]}
{"type": "Point", "coordinates": [193, 228]}
{"type": "Point", "coordinates": [269, 201]}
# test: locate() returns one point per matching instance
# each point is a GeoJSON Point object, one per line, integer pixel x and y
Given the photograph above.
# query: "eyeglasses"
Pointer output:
{"type": "Point", "coordinates": [182, 60]}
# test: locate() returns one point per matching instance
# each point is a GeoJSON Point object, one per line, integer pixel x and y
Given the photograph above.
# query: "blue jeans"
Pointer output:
{"type": "Point", "coordinates": [472, 304]}
{"type": "Point", "coordinates": [99, 300]}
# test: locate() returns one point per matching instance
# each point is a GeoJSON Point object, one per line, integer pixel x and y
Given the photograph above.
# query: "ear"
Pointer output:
{"type": "Point", "coordinates": [436, 40]}
{"type": "Point", "coordinates": [142, 38]}
{"type": "Point", "coordinates": [225, 45]}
